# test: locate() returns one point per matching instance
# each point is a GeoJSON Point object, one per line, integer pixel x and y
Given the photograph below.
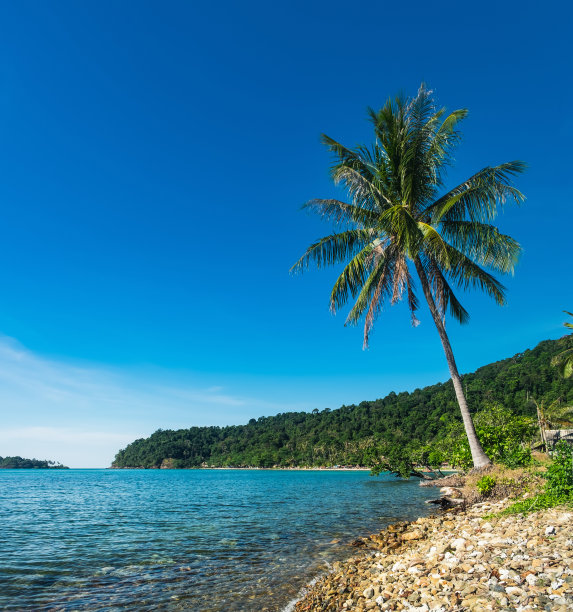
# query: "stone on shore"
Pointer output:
{"type": "Point", "coordinates": [456, 561]}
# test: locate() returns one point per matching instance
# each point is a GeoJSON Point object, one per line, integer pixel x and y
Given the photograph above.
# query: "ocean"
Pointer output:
{"type": "Point", "coordinates": [202, 540]}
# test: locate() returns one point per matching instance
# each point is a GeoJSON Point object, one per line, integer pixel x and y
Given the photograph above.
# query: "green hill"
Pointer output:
{"type": "Point", "coordinates": [350, 434]}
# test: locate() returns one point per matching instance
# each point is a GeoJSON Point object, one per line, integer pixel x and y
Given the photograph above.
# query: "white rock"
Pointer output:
{"type": "Point", "coordinates": [550, 530]}
{"type": "Point", "coordinates": [511, 590]}
{"type": "Point", "coordinates": [458, 544]}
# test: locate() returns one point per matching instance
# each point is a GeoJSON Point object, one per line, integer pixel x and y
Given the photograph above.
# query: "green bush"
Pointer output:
{"type": "Point", "coordinates": [559, 486]}
{"type": "Point", "coordinates": [560, 472]}
{"type": "Point", "coordinates": [505, 438]}
{"type": "Point", "coordinates": [485, 485]}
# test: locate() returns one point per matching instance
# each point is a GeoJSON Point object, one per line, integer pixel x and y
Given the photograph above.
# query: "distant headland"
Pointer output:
{"type": "Point", "coordinates": [16, 463]}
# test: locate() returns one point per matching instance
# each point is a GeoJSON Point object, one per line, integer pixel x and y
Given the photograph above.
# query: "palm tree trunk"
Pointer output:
{"type": "Point", "coordinates": [479, 458]}
{"type": "Point", "coordinates": [541, 423]}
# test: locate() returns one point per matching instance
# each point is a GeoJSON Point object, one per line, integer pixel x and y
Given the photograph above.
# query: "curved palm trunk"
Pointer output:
{"type": "Point", "coordinates": [541, 422]}
{"type": "Point", "coordinates": [480, 459]}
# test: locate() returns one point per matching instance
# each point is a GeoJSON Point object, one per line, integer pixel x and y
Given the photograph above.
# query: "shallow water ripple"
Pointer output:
{"type": "Point", "coordinates": [206, 540]}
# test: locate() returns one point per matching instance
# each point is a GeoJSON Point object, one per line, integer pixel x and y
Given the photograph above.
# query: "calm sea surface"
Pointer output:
{"type": "Point", "coordinates": [183, 539]}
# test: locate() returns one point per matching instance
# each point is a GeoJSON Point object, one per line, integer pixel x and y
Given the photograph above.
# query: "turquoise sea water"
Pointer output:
{"type": "Point", "coordinates": [183, 539]}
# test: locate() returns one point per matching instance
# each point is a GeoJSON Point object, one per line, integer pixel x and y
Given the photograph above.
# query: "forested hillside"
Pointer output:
{"type": "Point", "coordinates": [352, 434]}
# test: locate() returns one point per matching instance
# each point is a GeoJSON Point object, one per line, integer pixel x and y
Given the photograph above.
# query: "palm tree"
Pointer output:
{"type": "Point", "coordinates": [553, 416]}
{"type": "Point", "coordinates": [564, 360]}
{"type": "Point", "coordinates": [401, 221]}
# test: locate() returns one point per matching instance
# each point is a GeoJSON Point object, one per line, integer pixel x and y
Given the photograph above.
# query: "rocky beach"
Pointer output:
{"type": "Point", "coordinates": [459, 560]}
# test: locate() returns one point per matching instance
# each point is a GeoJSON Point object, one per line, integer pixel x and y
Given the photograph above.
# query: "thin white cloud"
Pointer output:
{"type": "Point", "coordinates": [70, 446]}
{"type": "Point", "coordinates": [59, 435]}
{"type": "Point", "coordinates": [83, 414]}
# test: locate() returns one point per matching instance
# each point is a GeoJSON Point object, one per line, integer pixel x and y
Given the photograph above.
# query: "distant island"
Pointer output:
{"type": "Point", "coordinates": [17, 463]}
{"type": "Point", "coordinates": [352, 435]}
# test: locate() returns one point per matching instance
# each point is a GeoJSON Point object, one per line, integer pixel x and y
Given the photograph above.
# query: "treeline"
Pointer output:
{"type": "Point", "coordinates": [12, 463]}
{"type": "Point", "coordinates": [354, 435]}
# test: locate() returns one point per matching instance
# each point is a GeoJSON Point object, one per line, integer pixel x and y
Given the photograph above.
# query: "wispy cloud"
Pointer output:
{"type": "Point", "coordinates": [75, 447]}
{"type": "Point", "coordinates": [82, 414]}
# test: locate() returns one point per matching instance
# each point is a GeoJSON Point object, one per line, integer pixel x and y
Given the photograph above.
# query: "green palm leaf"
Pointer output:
{"type": "Point", "coordinates": [477, 198]}
{"type": "Point", "coordinates": [339, 212]}
{"type": "Point", "coordinates": [334, 248]}
{"type": "Point", "coordinates": [483, 243]}
{"type": "Point", "coordinates": [466, 273]}
{"type": "Point", "coordinates": [352, 279]}
{"type": "Point", "coordinates": [564, 360]}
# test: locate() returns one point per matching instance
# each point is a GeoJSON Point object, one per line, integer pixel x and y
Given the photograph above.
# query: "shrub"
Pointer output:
{"type": "Point", "coordinates": [560, 472]}
{"type": "Point", "coordinates": [505, 438]}
{"type": "Point", "coordinates": [485, 485]}
{"type": "Point", "coordinates": [558, 487]}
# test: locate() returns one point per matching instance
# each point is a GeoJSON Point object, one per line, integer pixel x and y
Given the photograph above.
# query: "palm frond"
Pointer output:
{"type": "Point", "coordinates": [349, 157]}
{"type": "Point", "coordinates": [378, 275]}
{"type": "Point", "coordinates": [447, 298]}
{"type": "Point", "coordinates": [352, 279]}
{"type": "Point", "coordinates": [334, 248]}
{"type": "Point", "coordinates": [390, 127]}
{"type": "Point", "coordinates": [340, 212]}
{"type": "Point", "coordinates": [466, 273]}
{"type": "Point", "coordinates": [483, 243]}
{"type": "Point", "coordinates": [477, 198]}
{"type": "Point", "coordinates": [564, 360]}
{"type": "Point", "coordinates": [376, 302]}
{"type": "Point", "coordinates": [413, 303]}
{"type": "Point", "coordinates": [439, 153]}
{"type": "Point", "coordinates": [398, 223]}
{"type": "Point", "coordinates": [434, 244]}
{"type": "Point", "coordinates": [418, 177]}
{"type": "Point", "coordinates": [400, 279]}
{"type": "Point", "coordinates": [365, 193]}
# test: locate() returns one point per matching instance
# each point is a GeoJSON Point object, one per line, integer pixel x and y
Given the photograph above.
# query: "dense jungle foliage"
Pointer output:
{"type": "Point", "coordinates": [11, 463]}
{"type": "Point", "coordinates": [359, 435]}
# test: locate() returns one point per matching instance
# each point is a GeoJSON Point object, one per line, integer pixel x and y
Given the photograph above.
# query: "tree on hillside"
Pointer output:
{"type": "Point", "coordinates": [401, 223]}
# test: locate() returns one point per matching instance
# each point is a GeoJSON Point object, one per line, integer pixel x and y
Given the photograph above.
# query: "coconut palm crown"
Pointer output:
{"type": "Point", "coordinates": [402, 227]}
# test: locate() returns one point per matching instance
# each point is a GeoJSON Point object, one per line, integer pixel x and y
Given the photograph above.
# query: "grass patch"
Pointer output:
{"type": "Point", "coordinates": [558, 489]}
{"type": "Point", "coordinates": [502, 483]}
{"type": "Point", "coordinates": [543, 501]}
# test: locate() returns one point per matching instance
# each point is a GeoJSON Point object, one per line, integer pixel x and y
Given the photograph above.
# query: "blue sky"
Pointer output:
{"type": "Point", "coordinates": [155, 159]}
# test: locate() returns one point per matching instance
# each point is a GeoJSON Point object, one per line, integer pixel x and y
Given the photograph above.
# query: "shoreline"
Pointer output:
{"type": "Point", "coordinates": [269, 469]}
{"type": "Point", "coordinates": [457, 560]}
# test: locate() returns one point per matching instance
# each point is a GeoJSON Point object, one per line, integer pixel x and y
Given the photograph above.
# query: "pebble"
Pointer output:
{"type": "Point", "coordinates": [456, 561]}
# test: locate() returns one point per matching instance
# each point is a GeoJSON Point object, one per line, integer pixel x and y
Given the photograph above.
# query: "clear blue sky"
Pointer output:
{"type": "Point", "coordinates": [155, 157]}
